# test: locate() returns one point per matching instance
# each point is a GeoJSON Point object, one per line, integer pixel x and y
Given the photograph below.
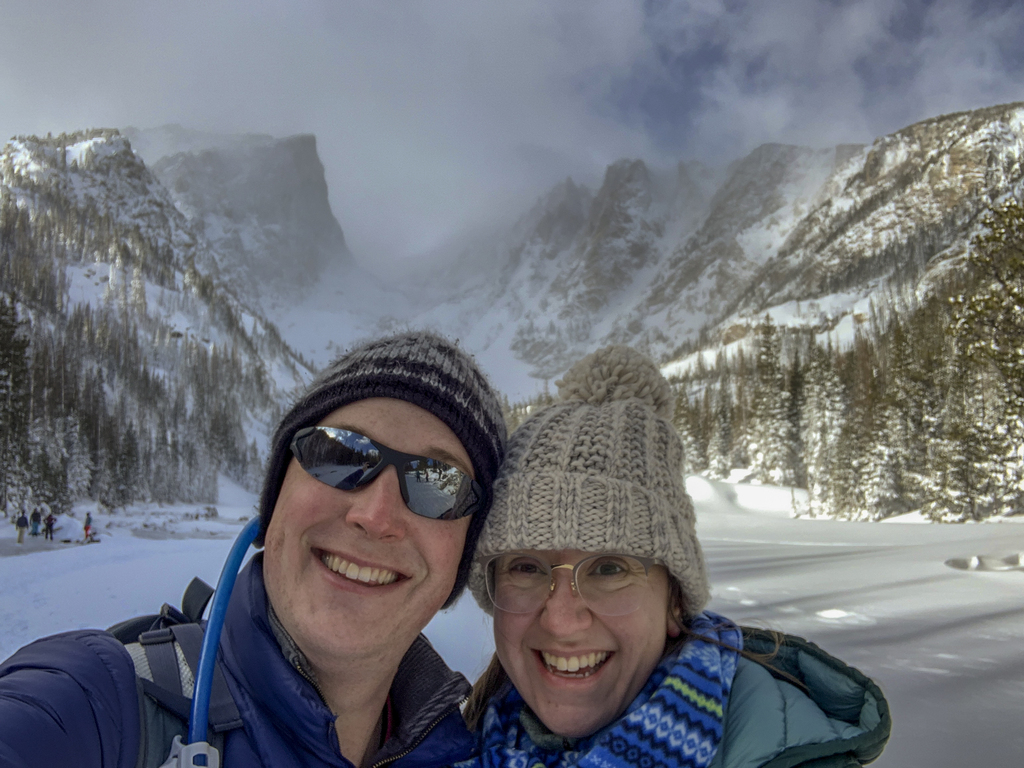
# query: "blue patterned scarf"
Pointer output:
{"type": "Point", "coordinates": [676, 720]}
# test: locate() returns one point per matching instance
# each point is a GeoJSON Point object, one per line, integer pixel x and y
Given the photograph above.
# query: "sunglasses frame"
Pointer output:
{"type": "Point", "coordinates": [388, 457]}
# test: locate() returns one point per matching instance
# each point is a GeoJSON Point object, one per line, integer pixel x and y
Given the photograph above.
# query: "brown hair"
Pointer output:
{"type": "Point", "coordinates": [494, 677]}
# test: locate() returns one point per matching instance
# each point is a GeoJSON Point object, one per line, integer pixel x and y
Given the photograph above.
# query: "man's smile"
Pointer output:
{"type": "Point", "coordinates": [364, 574]}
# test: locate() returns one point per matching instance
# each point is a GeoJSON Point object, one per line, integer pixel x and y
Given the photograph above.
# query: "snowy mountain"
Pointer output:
{"type": "Point", "coordinates": [904, 206]}
{"type": "Point", "coordinates": [145, 373]}
{"type": "Point", "coordinates": [261, 204]}
{"type": "Point", "coordinates": [666, 260]}
{"type": "Point", "coordinates": [661, 258]}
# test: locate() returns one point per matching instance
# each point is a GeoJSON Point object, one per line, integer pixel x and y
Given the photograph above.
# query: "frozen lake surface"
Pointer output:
{"type": "Point", "coordinates": [944, 641]}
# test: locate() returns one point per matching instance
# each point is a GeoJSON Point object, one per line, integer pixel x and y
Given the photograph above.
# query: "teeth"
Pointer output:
{"type": "Point", "coordinates": [585, 664]}
{"type": "Point", "coordinates": [365, 574]}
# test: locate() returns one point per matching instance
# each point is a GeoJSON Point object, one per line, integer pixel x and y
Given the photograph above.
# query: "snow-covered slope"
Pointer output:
{"type": "Point", "coordinates": [262, 205]}
{"type": "Point", "coordinates": [653, 257]}
{"type": "Point", "coordinates": [131, 245]}
{"type": "Point", "coordinates": [810, 236]}
{"type": "Point", "coordinates": [905, 205]}
{"type": "Point", "coordinates": [145, 336]}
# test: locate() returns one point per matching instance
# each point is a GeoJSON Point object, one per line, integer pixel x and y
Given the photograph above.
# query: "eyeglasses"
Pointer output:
{"type": "Point", "coordinates": [347, 460]}
{"type": "Point", "coordinates": [609, 584]}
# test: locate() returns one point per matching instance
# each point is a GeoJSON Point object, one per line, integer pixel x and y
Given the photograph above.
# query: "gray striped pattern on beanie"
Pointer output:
{"type": "Point", "coordinates": [599, 471]}
{"type": "Point", "coordinates": [421, 368]}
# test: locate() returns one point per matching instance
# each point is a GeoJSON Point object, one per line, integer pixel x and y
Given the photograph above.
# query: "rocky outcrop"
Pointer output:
{"type": "Point", "coordinates": [262, 204]}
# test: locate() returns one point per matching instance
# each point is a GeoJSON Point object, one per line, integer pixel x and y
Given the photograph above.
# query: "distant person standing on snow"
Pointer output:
{"type": "Point", "coordinates": [36, 519]}
{"type": "Point", "coordinates": [22, 525]}
{"type": "Point", "coordinates": [88, 526]}
{"type": "Point", "coordinates": [49, 522]}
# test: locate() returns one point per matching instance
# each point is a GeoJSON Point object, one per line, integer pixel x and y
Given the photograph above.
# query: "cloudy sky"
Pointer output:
{"type": "Point", "coordinates": [434, 114]}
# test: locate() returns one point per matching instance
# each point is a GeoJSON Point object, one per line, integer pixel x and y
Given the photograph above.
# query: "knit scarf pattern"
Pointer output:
{"type": "Point", "coordinates": [676, 721]}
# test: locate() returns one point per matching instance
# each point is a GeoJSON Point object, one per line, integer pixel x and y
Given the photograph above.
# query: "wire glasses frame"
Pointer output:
{"type": "Point", "coordinates": [609, 583]}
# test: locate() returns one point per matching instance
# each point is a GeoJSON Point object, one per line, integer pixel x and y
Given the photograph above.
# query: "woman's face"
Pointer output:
{"type": "Point", "coordinates": [614, 655]}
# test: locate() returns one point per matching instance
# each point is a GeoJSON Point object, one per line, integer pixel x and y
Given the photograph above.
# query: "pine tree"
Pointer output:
{"type": "Point", "coordinates": [988, 325]}
{"type": "Point", "coordinates": [965, 458]}
{"type": "Point", "coordinates": [686, 422]}
{"type": "Point", "coordinates": [795, 384]}
{"type": "Point", "coordinates": [720, 443]}
{"type": "Point", "coordinates": [989, 322]}
{"type": "Point", "coordinates": [14, 404]}
{"type": "Point", "coordinates": [821, 426]}
{"type": "Point", "coordinates": [880, 477]}
{"type": "Point", "coordinates": [769, 445]}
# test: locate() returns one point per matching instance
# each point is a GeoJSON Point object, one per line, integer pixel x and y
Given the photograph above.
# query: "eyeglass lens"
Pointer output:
{"type": "Point", "coordinates": [610, 585]}
{"type": "Point", "coordinates": [341, 458]}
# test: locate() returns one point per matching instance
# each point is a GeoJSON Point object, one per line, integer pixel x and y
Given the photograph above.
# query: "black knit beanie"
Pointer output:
{"type": "Point", "coordinates": [421, 368]}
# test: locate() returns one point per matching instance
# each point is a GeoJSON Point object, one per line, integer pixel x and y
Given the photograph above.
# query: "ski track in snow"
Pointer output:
{"type": "Point", "coordinates": [942, 640]}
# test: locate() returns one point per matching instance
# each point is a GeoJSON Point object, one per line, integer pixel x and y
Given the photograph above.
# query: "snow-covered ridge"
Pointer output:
{"type": "Point", "coordinates": [808, 236]}
{"type": "Point", "coordinates": [114, 281]}
{"type": "Point", "coordinates": [654, 257]}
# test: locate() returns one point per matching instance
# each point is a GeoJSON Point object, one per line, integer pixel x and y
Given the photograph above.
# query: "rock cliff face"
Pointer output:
{"type": "Point", "coordinates": [566, 288]}
{"type": "Point", "coordinates": [764, 195]}
{"type": "Point", "coordinates": [260, 202]}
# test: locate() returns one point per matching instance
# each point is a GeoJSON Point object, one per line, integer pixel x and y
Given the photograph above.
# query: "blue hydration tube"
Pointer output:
{"type": "Point", "coordinates": [200, 714]}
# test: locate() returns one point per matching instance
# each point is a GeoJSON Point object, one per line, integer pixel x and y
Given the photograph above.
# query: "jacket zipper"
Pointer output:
{"type": "Point", "coordinates": [422, 736]}
{"type": "Point", "coordinates": [411, 747]}
{"type": "Point", "coordinates": [315, 684]}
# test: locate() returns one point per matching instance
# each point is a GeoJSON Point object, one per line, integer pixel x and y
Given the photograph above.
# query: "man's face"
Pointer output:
{"type": "Point", "coordinates": [354, 576]}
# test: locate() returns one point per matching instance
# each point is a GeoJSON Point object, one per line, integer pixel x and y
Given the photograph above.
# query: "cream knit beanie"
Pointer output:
{"type": "Point", "coordinates": [601, 470]}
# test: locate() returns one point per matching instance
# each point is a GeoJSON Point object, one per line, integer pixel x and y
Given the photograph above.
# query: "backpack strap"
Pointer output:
{"type": "Point", "coordinates": [165, 649]}
{"type": "Point", "coordinates": [158, 645]}
{"type": "Point", "coordinates": [197, 595]}
{"type": "Point", "coordinates": [223, 712]}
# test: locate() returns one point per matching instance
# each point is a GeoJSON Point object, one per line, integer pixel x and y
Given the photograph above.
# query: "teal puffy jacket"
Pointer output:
{"type": "Point", "coordinates": [837, 719]}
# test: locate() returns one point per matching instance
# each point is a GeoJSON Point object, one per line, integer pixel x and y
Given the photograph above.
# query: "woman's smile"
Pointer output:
{"type": "Point", "coordinates": [575, 666]}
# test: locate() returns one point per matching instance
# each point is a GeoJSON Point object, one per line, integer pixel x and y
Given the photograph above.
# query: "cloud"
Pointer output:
{"type": "Point", "coordinates": [721, 77]}
{"type": "Point", "coordinates": [432, 114]}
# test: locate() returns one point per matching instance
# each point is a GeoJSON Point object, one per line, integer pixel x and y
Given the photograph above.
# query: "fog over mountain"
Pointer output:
{"type": "Point", "coordinates": [652, 256]}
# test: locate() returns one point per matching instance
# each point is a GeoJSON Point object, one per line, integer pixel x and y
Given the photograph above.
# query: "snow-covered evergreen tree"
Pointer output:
{"type": "Point", "coordinates": [14, 404]}
{"type": "Point", "coordinates": [769, 441]}
{"type": "Point", "coordinates": [720, 442]}
{"type": "Point", "coordinates": [960, 481]}
{"type": "Point", "coordinates": [821, 427]}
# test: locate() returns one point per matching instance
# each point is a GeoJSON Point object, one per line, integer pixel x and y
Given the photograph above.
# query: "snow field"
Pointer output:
{"type": "Point", "coordinates": [933, 613]}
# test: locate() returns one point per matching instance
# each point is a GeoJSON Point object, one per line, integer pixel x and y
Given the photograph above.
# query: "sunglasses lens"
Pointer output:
{"type": "Point", "coordinates": [342, 458]}
{"type": "Point", "coordinates": [438, 490]}
{"type": "Point", "coordinates": [337, 457]}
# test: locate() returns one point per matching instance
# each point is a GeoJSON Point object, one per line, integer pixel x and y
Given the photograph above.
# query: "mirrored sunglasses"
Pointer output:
{"type": "Point", "coordinates": [347, 460]}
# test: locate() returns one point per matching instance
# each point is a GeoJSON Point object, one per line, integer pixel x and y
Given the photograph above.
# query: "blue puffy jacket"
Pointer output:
{"type": "Point", "coordinates": [72, 699]}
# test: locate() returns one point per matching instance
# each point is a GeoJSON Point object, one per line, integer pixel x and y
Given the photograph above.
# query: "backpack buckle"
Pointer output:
{"type": "Point", "coordinates": [191, 755]}
{"type": "Point", "coordinates": [155, 636]}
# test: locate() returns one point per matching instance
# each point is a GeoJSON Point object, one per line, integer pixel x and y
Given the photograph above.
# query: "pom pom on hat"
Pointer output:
{"type": "Point", "coordinates": [617, 373]}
